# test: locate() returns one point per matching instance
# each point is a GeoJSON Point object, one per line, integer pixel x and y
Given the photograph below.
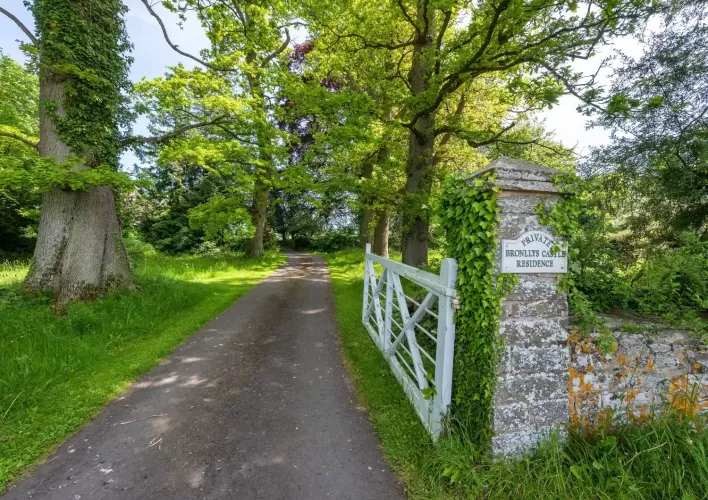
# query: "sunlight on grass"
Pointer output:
{"type": "Point", "coordinates": [58, 371]}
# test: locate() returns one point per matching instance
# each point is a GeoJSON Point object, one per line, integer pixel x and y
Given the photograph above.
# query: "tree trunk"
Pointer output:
{"type": "Point", "coordinates": [261, 188]}
{"type": "Point", "coordinates": [381, 234]}
{"type": "Point", "coordinates": [258, 212]}
{"type": "Point", "coordinates": [421, 148]}
{"type": "Point", "coordinates": [367, 171]}
{"type": "Point", "coordinates": [79, 253]}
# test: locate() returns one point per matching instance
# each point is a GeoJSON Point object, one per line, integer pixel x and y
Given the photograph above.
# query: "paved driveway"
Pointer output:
{"type": "Point", "coordinates": [256, 405]}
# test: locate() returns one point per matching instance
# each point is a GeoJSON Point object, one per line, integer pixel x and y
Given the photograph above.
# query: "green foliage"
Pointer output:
{"type": "Point", "coordinates": [19, 203]}
{"type": "Point", "coordinates": [468, 215]}
{"type": "Point", "coordinates": [664, 458]}
{"type": "Point", "coordinates": [655, 109]}
{"type": "Point", "coordinates": [334, 241]}
{"type": "Point", "coordinates": [673, 284]}
{"type": "Point", "coordinates": [59, 371]}
{"type": "Point", "coordinates": [84, 47]}
{"type": "Point", "coordinates": [606, 272]}
{"type": "Point", "coordinates": [222, 219]}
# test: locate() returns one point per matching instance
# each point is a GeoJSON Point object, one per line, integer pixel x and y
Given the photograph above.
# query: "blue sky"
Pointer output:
{"type": "Point", "coordinates": [152, 56]}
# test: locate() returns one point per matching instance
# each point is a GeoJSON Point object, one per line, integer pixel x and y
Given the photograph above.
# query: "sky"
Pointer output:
{"type": "Point", "coordinates": [152, 56]}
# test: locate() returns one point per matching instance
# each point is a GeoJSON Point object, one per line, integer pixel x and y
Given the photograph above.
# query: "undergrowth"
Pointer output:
{"type": "Point", "coordinates": [664, 458]}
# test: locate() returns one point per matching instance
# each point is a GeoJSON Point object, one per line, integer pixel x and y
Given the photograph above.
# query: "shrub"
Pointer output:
{"type": "Point", "coordinates": [672, 284]}
{"type": "Point", "coordinates": [333, 241]}
{"type": "Point", "coordinates": [135, 247]}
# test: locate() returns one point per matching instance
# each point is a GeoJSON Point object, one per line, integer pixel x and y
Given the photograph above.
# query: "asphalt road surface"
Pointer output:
{"type": "Point", "coordinates": [256, 405]}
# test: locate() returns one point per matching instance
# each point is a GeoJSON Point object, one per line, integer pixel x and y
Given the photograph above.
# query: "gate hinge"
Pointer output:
{"type": "Point", "coordinates": [456, 303]}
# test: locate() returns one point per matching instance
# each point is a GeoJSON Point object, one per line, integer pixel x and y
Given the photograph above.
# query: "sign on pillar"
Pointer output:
{"type": "Point", "coordinates": [534, 252]}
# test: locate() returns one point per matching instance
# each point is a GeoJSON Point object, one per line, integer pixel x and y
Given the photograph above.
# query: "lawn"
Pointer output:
{"type": "Point", "coordinates": [59, 370]}
{"type": "Point", "coordinates": [663, 459]}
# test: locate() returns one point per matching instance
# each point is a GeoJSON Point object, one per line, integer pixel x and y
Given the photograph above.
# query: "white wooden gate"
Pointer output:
{"type": "Point", "coordinates": [400, 325]}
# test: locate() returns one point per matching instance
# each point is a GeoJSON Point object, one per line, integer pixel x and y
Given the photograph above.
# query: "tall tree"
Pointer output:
{"type": "Point", "coordinates": [82, 52]}
{"type": "Point", "coordinates": [440, 47]}
{"type": "Point", "coordinates": [247, 39]}
{"type": "Point", "coordinates": [657, 110]}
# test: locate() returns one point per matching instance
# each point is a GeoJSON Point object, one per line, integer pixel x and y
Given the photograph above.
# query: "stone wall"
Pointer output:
{"type": "Point", "coordinates": [649, 367]}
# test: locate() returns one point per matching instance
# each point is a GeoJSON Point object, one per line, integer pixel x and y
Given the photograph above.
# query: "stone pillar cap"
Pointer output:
{"type": "Point", "coordinates": [519, 175]}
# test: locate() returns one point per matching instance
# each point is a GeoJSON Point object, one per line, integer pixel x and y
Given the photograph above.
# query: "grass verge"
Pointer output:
{"type": "Point", "coordinates": [665, 458]}
{"type": "Point", "coordinates": [58, 371]}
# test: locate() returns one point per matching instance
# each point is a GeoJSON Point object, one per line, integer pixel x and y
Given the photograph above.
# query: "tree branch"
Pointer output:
{"type": "Point", "coordinates": [536, 142]}
{"type": "Point", "coordinates": [408, 17]}
{"type": "Point", "coordinates": [169, 135]}
{"type": "Point", "coordinates": [22, 27]}
{"type": "Point", "coordinates": [280, 49]}
{"type": "Point", "coordinates": [175, 47]}
{"type": "Point", "coordinates": [461, 133]}
{"type": "Point", "coordinates": [439, 40]}
{"type": "Point", "coordinates": [18, 137]}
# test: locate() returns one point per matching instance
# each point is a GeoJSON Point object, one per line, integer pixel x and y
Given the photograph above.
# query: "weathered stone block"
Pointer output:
{"type": "Point", "coordinates": [513, 225]}
{"type": "Point", "coordinates": [532, 388]}
{"type": "Point", "coordinates": [510, 417]}
{"type": "Point", "coordinates": [518, 443]}
{"type": "Point", "coordinates": [532, 288]}
{"type": "Point", "coordinates": [548, 413]}
{"type": "Point", "coordinates": [545, 308]}
{"type": "Point", "coordinates": [533, 330]}
{"type": "Point", "coordinates": [660, 348]}
{"type": "Point", "coordinates": [549, 358]}
{"type": "Point", "coordinates": [514, 203]}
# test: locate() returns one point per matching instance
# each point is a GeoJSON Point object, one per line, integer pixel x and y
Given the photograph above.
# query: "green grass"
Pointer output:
{"type": "Point", "coordinates": [58, 371]}
{"type": "Point", "coordinates": [663, 459]}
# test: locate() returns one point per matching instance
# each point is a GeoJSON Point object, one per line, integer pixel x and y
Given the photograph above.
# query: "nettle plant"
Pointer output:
{"type": "Point", "coordinates": [468, 214]}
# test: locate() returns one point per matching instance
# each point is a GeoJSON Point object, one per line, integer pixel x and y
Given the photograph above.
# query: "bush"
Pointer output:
{"type": "Point", "coordinates": [135, 247]}
{"type": "Point", "coordinates": [673, 284]}
{"type": "Point", "coordinates": [208, 249]}
{"type": "Point", "coordinates": [334, 241]}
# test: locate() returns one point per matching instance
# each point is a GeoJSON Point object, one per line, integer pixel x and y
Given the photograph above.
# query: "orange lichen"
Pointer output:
{"type": "Point", "coordinates": [623, 379]}
{"type": "Point", "coordinates": [688, 398]}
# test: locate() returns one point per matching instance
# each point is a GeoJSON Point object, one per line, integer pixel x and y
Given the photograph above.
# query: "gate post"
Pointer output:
{"type": "Point", "coordinates": [531, 393]}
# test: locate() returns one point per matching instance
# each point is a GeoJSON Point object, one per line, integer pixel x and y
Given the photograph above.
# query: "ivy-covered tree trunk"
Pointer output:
{"type": "Point", "coordinates": [421, 144]}
{"type": "Point", "coordinates": [79, 252]}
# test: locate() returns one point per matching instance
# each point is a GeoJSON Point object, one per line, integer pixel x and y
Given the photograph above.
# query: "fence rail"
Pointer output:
{"type": "Point", "coordinates": [400, 319]}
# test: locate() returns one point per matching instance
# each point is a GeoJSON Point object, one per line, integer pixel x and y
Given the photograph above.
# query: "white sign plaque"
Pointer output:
{"type": "Point", "coordinates": [533, 252]}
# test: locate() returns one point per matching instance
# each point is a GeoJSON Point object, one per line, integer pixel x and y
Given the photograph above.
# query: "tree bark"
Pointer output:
{"type": "Point", "coordinates": [258, 213]}
{"type": "Point", "coordinates": [381, 234]}
{"type": "Point", "coordinates": [79, 253]}
{"type": "Point", "coordinates": [421, 148]}
{"type": "Point", "coordinates": [366, 213]}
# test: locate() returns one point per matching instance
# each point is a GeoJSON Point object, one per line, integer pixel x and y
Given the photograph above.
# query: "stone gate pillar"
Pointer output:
{"type": "Point", "coordinates": [531, 394]}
